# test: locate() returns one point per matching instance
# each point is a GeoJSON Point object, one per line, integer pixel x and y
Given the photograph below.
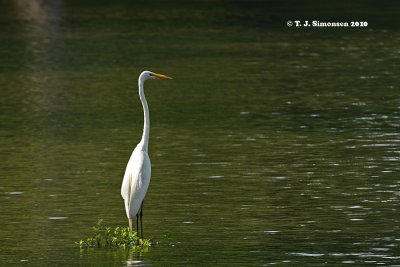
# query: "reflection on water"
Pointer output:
{"type": "Point", "coordinates": [271, 147]}
{"type": "Point", "coordinates": [40, 25]}
{"type": "Point", "coordinates": [130, 262]}
{"type": "Point", "coordinates": [37, 11]}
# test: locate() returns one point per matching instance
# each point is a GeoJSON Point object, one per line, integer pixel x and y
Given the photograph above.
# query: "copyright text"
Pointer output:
{"type": "Point", "coordinates": [326, 24]}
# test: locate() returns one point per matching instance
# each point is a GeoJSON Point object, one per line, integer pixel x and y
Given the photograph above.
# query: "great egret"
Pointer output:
{"type": "Point", "coordinates": [138, 170]}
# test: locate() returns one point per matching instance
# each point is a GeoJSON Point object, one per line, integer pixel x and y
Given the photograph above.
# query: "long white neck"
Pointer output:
{"type": "Point", "coordinates": [146, 120]}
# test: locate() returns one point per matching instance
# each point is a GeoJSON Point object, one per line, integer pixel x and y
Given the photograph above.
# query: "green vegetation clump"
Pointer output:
{"type": "Point", "coordinates": [107, 237]}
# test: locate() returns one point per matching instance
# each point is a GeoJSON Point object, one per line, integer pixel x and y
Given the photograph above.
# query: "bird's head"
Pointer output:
{"type": "Point", "coordinates": [145, 75]}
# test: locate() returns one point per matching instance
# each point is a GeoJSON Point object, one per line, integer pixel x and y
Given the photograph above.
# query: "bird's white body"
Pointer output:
{"type": "Point", "coordinates": [138, 171]}
{"type": "Point", "coordinates": [136, 180]}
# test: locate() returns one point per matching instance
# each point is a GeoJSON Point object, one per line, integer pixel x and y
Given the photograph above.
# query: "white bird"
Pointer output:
{"type": "Point", "coordinates": [138, 170]}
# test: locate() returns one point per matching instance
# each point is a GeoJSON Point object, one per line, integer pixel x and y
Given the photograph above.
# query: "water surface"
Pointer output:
{"type": "Point", "coordinates": [272, 145]}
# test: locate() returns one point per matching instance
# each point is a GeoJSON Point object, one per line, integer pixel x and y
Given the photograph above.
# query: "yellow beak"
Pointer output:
{"type": "Point", "coordinates": [161, 76]}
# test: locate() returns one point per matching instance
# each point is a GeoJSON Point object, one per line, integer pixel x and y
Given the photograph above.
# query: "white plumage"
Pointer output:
{"type": "Point", "coordinates": [136, 181]}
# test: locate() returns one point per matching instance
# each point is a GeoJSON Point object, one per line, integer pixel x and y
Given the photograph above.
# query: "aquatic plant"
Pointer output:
{"type": "Point", "coordinates": [118, 237]}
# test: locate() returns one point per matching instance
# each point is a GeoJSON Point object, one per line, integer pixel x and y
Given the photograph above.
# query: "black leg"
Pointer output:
{"type": "Point", "coordinates": [141, 218]}
{"type": "Point", "coordinates": [137, 223]}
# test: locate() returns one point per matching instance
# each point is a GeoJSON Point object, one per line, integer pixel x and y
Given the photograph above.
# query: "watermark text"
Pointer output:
{"type": "Point", "coordinates": [326, 24]}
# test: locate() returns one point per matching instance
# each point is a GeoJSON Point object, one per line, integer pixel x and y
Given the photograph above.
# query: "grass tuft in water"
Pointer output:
{"type": "Point", "coordinates": [119, 237]}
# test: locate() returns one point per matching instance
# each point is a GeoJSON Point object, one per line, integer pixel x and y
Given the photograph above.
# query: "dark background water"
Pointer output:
{"type": "Point", "coordinates": [273, 145]}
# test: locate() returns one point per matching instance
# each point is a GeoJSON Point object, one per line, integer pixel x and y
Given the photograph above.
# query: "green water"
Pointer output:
{"type": "Point", "coordinates": [271, 146]}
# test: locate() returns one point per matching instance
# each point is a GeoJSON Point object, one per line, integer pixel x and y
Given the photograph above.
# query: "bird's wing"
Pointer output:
{"type": "Point", "coordinates": [136, 181]}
